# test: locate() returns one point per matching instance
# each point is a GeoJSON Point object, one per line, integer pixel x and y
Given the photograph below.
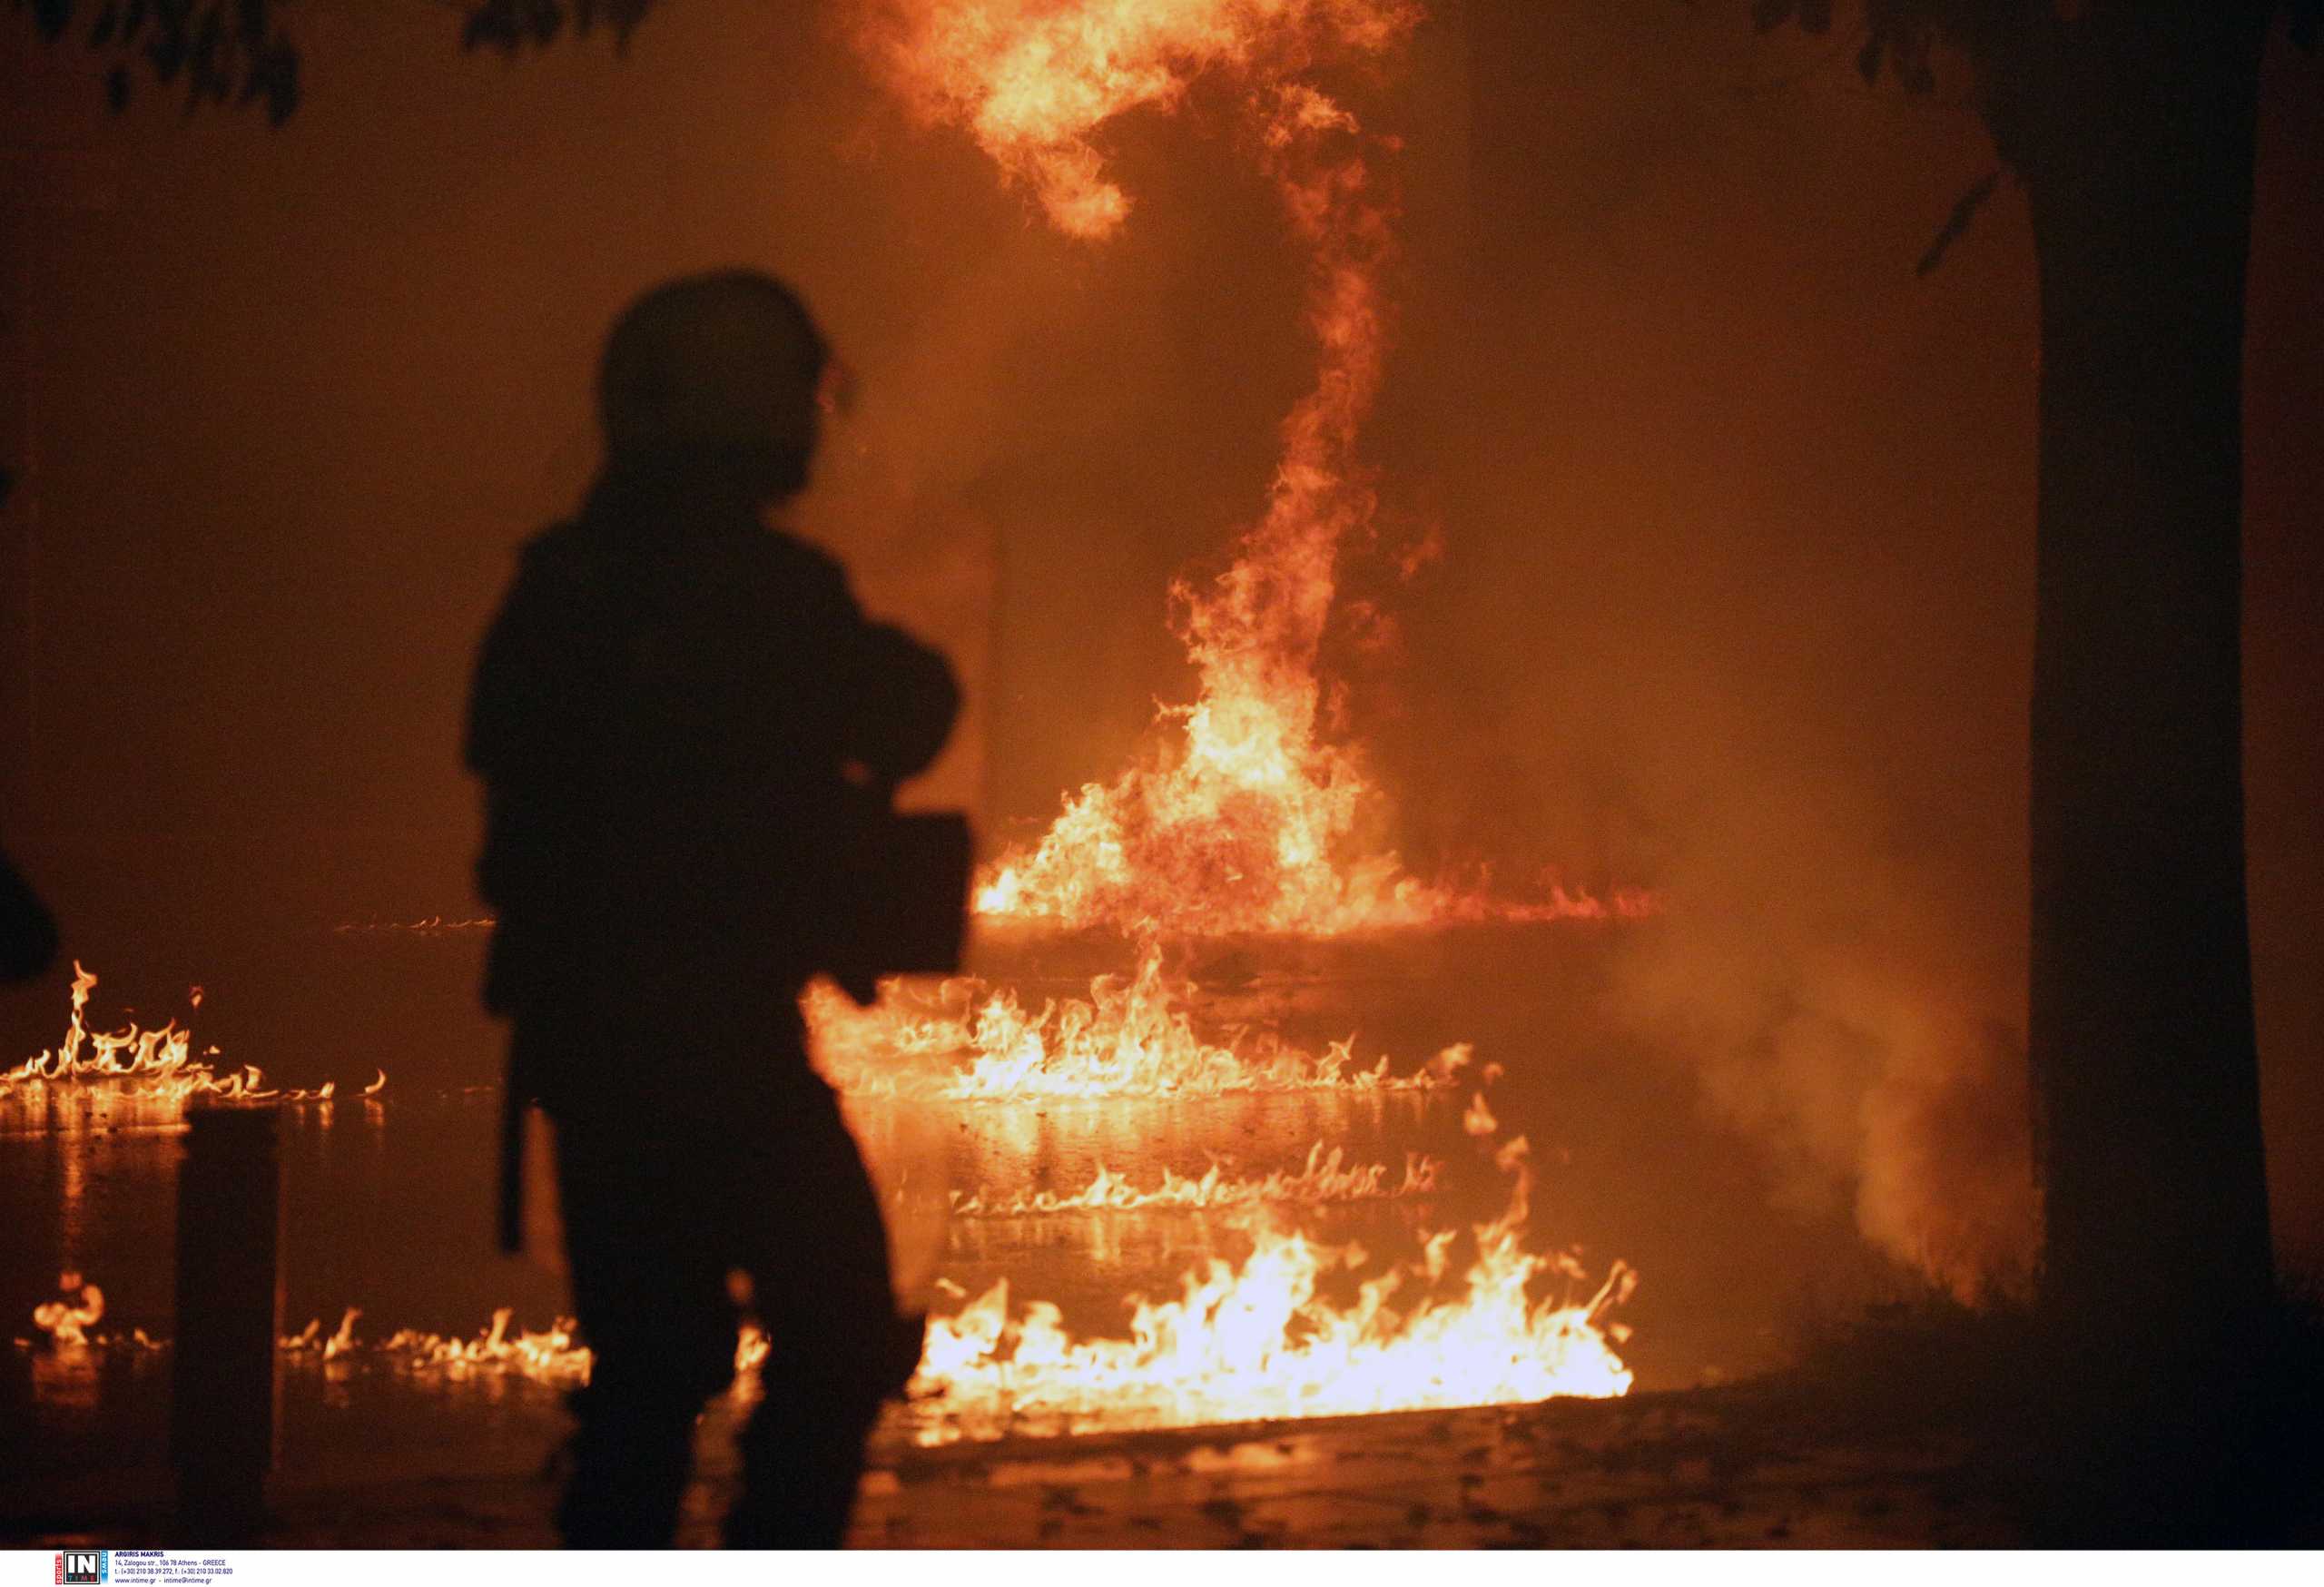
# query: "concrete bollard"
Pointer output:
{"type": "Point", "coordinates": [224, 1409]}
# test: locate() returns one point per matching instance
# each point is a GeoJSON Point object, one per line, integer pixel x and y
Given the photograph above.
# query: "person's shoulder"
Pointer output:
{"type": "Point", "coordinates": [565, 565]}
{"type": "Point", "coordinates": [559, 551]}
{"type": "Point", "coordinates": [799, 556]}
{"type": "Point", "coordinates": [785, 568]}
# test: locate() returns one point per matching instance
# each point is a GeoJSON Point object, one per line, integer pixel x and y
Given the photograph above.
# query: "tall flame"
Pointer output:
{"type": "Point", "coordinates": [1247, 821]}
{"type": "Point", "coordinates": [1247, 817]}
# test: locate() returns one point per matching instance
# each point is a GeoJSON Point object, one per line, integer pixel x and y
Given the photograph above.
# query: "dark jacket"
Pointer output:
{"type": "Point", "coordinates": [682, 720]}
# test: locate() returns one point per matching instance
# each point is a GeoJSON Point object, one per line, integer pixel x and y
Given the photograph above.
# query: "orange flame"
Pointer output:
{"type": "Point", "coordinates": [1034, 80]}
{"type": "Point", "coordinates": [1260, 1341]}
{"type": "Point", "coordinates": [1132, 1037]}
{"type": "Point", "coordinates": [159, 1062]}
{"type": "Point", "coordinates": [67, 1322]}
{"type": "Point", "coordinates": [1246, 824]}
{"type": "Point", "coordinates": [1249, 821]}
{"type": "Point", "coordinates": [1326, 1179]}
{"type": "Point", "coordinates": [1478, 1120]}
{"type": "Point", "coordinates": [550, 1356]}
{"type": "Point", "coordinates": [1256, 1341]}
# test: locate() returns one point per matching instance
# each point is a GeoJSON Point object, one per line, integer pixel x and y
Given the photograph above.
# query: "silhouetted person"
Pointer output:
{"type": "Point", "coordinates": [27, 931]}
{"type": "Point", "coordinates": [687, 733]}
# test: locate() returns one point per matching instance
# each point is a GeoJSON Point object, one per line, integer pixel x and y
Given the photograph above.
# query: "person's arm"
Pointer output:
{"type": "Point", "coordinates": [896, 702]}
{"type": "Point", "coordinates": [906, 702]}
{"type": "Point", "coordinates": [519, 743]}
{"type": "Point", "coordinates": [893, 700]}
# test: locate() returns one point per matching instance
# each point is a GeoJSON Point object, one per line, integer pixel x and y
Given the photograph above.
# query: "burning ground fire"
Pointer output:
{"type": "Point", "coordinates": [1255, 1340]}
{"type": "Point", "coordinates": [158, 1065]}
{"type": "Point", "coordinates": [1132, 1036]}
{"type": "Point", "coordinates": [1260, 1340]}
{"type": "Point", "coordinates": [1326, 1179]}
{"type": "Point", "coordinates": [551, 1355]}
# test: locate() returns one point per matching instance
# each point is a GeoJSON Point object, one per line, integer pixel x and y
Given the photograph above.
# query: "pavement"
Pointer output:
{"type": "Point", "coordinates": [1727, 1468]}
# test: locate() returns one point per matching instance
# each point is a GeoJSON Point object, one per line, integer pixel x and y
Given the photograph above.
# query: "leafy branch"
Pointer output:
{"type": "Point", "coordinates": [221, 50]}
{"type": "Point", "coordinates": [512, 25]}
{"type": "Point", "coordinates": [236, 52]}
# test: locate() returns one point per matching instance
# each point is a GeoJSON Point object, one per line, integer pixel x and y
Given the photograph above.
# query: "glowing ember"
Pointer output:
{"type": "Point", "coordinates": [158, 1064]}
{"type": "Point", "coordinates": [1325, 1180]}
{"type": "Point", "coordinates": [67, 1321]}
{"type": "Point", "coordinates": [1263, 1341]}
{"type": "Point", "coordinates": [1132, 1037]}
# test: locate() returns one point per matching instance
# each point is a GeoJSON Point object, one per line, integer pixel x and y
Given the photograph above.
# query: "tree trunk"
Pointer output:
{"type": "Point", "coordinates": [2145, 1064]}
